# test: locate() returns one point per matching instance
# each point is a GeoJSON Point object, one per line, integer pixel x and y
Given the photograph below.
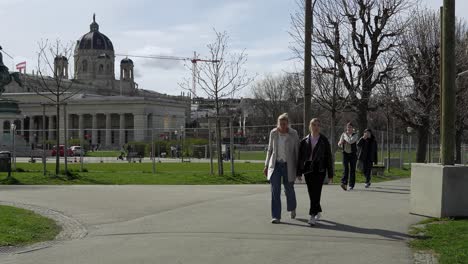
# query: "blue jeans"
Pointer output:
{"type": "Point", "coordinates": [281, 171]}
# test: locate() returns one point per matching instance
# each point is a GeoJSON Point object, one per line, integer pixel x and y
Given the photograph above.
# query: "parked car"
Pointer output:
{"type": "Point", "coordinates": [77, 150]}
{"type": "Point", "coordinates": [61, 151]}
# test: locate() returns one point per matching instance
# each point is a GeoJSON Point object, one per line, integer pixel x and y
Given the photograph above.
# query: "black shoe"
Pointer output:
{"type": "Point", "coordinates": [368, 185]}
{"type": "Point", "coordinates": [343, 186]}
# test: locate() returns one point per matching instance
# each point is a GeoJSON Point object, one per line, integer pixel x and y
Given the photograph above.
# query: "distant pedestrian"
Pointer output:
{"type": "Point", "coordinates": [367, 154]}
{"type": "Point", "coordinates": [315, 162]}
{"type": "Point", "coordinates": [281, 167]}
{"type": "Point", "coordinates": [349, 148]}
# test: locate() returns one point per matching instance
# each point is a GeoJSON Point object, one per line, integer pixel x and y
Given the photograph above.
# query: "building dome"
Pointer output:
{"type": "Point", "coordinates": [126, 61]}
{"type": "Point", "coordinates": [94, 40]}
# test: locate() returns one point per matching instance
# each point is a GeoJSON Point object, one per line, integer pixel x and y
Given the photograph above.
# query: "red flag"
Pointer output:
{"type": "Point", "coordinates": [21, 66]}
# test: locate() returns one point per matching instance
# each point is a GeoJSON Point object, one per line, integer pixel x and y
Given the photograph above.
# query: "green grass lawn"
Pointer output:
{"type": "Point", "coordinates": [447, 238]}
{"type": "Point", "coordinates": [166, 173]}
{"type": "Point", "coordinates": [112, 154]}
{"type": "Point", "coordinates": [19, 227]}
{"type": "Point", "coordinates": [260, 155]}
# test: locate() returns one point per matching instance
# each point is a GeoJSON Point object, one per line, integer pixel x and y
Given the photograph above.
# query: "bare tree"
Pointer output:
{"type": "Point", "coordinates": [418, 100]}
{"type": "Point", "coordinates": [52, 82]}
{"type": "Point", "coordinates": [462, 87]}
{"type": "Point", "coordinates": [222, 79]}
{"type": "Point", "coordinates": [277, 94]}
{"type": "Point", "coordinates": [330, 95]}
{"type": "Point", "coordinates": [368, 31]}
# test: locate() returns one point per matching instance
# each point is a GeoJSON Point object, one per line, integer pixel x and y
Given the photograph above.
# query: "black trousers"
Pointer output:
{"type": "Point", "coordinates": [349, 164]}
{"type": "Point", "coordinates": [367, 170]}
{"type": "Point", "coordinates": [314, 183]}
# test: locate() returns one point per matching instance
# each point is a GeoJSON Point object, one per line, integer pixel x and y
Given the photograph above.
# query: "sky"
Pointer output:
{"type": "Point", "coordinates": [161, 27]}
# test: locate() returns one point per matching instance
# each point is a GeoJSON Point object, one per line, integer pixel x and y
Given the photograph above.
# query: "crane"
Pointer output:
{"type": "Point", "coordinates": [195, 60]}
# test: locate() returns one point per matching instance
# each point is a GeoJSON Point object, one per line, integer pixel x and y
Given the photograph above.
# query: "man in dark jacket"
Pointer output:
{"type": "Point", "coordinates": [367, 154]}
{"type": "Point", "coordinates": [315, 162]}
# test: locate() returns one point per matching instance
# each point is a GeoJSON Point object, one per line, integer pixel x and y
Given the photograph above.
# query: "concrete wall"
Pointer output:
{"type": "Point", "coordinates": [439, 191]}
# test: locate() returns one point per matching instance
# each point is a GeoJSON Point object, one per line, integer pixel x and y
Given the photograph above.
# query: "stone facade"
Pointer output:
{"type": "Point", "coordinates": [101, 109]}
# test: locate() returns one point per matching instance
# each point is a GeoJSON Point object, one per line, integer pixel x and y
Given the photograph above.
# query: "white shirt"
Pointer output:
{"type": "Point", "coordinates": [282, 147]}
{"type": "Point", "coordinates": [348, 141]}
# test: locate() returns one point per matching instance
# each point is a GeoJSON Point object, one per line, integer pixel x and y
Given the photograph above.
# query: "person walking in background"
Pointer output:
{"type": "Point", "coordinates": [367, 154]}
{"type": "Point", "coordinates": [315, 162]}
{"type": "Point", "coordinates": [280, 166]}
{"type": "Point", "coordinates": [349, 147]}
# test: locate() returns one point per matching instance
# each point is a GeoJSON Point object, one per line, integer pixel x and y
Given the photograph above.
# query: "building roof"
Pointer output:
{"type": "Point", "coordinates": [94, 40]}
{"type": "Point", "coordinates": [126, 60]}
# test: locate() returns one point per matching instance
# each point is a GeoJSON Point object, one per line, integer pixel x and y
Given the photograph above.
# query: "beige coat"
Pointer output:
{"type": "Point", "coordinates": [292, 150]}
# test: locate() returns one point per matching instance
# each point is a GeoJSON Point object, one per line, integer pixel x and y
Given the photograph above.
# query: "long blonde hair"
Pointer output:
{"type": "Point", "coordinates": [314, 120]}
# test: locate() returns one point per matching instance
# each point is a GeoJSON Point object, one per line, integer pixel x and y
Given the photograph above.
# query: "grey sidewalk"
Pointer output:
{"type": "Point", "coordinates": [221, 224]}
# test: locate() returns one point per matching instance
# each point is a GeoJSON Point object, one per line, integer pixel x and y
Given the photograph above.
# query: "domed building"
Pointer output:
{"type": "Point", "coordinates": [94, 56]}
{"type": "Point", "coordinates": [101, 109]}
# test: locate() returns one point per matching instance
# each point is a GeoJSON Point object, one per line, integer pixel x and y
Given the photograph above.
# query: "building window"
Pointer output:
{"type": "Point", "coordinates": [108, 68]}
{"type": "Point", "coordinates": [85, 66]}
{"type": "Point", "coordinates": [101, 68]}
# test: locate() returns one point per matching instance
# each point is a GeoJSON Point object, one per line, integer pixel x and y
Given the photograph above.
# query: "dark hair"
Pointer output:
{"type": "Point", "coordinates": [350, 124]}
{"type": "Point", "coordinates": [370, 131]}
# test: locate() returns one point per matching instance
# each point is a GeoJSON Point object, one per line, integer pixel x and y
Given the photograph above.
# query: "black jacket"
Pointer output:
{"type": "Point", "coordinates": [367, 150]}
{"type": "Point", "coordinates": [323, 160]}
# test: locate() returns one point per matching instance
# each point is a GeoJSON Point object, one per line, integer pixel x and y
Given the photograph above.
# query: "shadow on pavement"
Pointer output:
{"type": "Point", "coordinates": [381, 191]}
{"type": "Point", "coordinates": [327, 224]}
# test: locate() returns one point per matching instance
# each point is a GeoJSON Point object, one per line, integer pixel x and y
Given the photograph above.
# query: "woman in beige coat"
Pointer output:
{"type": "Point", "coordinates": [281, 166]}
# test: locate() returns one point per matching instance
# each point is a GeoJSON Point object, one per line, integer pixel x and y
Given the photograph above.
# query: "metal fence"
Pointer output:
{"type": "Point", "coordinates": [188, 145]}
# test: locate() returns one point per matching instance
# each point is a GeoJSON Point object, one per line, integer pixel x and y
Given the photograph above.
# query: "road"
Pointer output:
{"type": "Point", "coordinates": [220, 224]}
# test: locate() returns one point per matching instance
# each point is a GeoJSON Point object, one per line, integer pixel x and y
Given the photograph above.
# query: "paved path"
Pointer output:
{"type": "Point", "coordinates": [220, 224]}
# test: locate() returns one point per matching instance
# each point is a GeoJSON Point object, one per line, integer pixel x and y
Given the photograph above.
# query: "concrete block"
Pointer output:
{"type": "Point", "coordinates": [394, 163]}
{"type": "Point", "coordinates": [439, 191]}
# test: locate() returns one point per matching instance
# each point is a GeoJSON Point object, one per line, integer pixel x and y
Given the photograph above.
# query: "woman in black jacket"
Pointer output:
{"type": "Point", "coordinates": [367, 154]}
{"type": "Point", "coordinates": [315, 162]}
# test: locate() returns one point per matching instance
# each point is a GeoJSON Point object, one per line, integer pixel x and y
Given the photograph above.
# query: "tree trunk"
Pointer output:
{"type": "Point", "coordinates": [423, 135]}
{"type": "Point", "coordinates": [458, 146]}
{"type": "Point", "coordinates": [333, 133]}
{"type": "Point", "coordinates": [362, 118]}
{"type": "Point", "coordinates": [57, 146]}
{"type": "Point", "coordinates": [307, 65]}
{"type": "Point", "coordinates": [219, 139]}
{"type": "Point", "coordinates": [219, 148]}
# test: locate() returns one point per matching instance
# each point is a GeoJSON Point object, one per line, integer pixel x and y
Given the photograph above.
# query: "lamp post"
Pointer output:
{"type": "Point", "coordinates": [13, 134]}
{"type": "Point", "coordinates": [182, 139]}
{"type": "Point", "coordinates": [431, 145]}
{"type": "Point", "coordinates": [176, 133]}
{"type": "Point", "coordinates": [409, 130]}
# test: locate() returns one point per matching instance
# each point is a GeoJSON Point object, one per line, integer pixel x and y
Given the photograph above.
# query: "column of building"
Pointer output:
{"type": "Point", "coordinates": [140, 126]}
{"type": "Point", "coordinates": [108, 129]}
{"type": "Point", "coordinates": [51, 128]}
{"type": "Point", "coordinates": [122, 130]}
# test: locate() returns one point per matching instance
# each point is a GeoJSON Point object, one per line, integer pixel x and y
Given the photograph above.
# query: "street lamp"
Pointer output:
{"type": "Point", "coordinates": [431, 143]}
{"type": "Point", "coordinates": [182, 130]}
{"type": "Point", "coordinates": [409, 130]}
{"type": "Point", "coordinates": [13, 133]}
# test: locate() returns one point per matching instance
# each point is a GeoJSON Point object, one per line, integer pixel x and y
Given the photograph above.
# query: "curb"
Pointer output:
{"type": "Point", "coordinates": [71, 229]}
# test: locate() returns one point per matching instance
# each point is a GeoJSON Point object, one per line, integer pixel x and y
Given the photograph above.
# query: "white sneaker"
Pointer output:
{"type": "Point", "coordinates": [367, 185]}
{"type": "Point", "coordinates": [293, 214]}
{"type": "Point", "coordinates": [312, 220]}
{"type": "Point", "coordinates": [318, 216]}
{"type": "Point", "coordinates": [275, 221]}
